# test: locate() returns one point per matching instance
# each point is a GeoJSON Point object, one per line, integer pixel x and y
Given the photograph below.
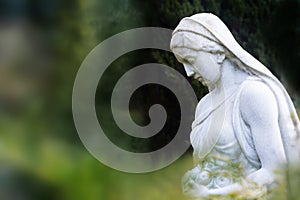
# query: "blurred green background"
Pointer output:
{"type": "Point", "coordinates": [42, 44]}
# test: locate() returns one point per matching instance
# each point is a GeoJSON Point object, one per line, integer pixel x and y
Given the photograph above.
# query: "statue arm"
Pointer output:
{"type": "Point", "coordinates": [259, 110]}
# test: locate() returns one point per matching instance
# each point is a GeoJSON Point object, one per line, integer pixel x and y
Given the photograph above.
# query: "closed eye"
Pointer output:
{"type": "Point", "coordinates": [188, 59]}
{"type": "Point", "coordinates": [185, 61]}
{"type": "Point", "coordinates": [191, 61]}
{"type": "Point", "coordinates": [188, 62]}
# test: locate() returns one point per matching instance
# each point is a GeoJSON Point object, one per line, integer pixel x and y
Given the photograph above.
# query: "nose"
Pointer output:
{"type": "Point", "coordinates": [188, 69]}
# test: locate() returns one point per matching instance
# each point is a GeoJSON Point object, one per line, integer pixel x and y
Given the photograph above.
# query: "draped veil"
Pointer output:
{"type": "Point", "coordinates": [212, 28]}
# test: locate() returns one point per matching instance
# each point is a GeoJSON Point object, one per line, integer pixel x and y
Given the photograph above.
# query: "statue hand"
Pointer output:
{"type": "Point", "coordinates": [261, 177]}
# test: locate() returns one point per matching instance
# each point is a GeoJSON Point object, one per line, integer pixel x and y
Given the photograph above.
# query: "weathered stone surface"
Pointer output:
{"type": "Point", "coordinates": [246, 128]}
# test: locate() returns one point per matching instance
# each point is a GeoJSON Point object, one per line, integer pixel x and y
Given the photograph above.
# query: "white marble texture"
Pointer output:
{"type": "Point", "coordinates": [246, 128]}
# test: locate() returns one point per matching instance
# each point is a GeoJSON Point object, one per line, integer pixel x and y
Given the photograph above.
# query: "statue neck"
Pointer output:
{"type": "Point", "coordinates": [231, 78]}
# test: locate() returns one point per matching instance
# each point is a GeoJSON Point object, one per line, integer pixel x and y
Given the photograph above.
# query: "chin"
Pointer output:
{"type": "Point", "coordinates": [203, 83]}
{"type": "Point", "coordinates": [209, 83]}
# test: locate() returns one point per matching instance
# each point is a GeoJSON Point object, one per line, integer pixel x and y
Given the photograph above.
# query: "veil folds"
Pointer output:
{"type": "Point", "coordinates": [211, 27]}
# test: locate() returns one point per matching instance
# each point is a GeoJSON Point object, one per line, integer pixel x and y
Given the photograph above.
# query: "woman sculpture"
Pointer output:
{"type": "Point", "coordinates": [246, 128]}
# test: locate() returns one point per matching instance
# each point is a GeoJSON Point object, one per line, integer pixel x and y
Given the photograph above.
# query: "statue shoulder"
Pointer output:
{"type": "Point", "coordinates": [257, 101]}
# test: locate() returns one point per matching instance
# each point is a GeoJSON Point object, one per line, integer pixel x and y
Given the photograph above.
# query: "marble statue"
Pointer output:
{"type": "Point", "coordinates": [246, 128]}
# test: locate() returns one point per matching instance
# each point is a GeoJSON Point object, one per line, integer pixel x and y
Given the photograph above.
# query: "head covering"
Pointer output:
{"type": "Point", "coordinates": [211, 27]}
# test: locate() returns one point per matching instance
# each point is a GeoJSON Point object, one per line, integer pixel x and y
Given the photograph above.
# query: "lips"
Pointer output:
{"type": "Point", "coordinates": [199, 78]}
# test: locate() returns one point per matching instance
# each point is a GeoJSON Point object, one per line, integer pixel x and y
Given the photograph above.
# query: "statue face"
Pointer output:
{"type": "Point", "coordinates": [200, 65]}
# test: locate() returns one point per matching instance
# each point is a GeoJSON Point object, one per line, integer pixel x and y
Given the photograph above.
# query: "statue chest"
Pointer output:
{"type": "Point", "coordinates": [214, 131]}
{"type": "Point", "coordinates": [226, 145]}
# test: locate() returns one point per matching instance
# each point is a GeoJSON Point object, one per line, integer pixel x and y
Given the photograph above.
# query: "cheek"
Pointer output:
{"type": "Point", "coordinates": [211, 71]}
{"type": "Point", "coordinates": [217, 72]}
{"type": "Point", "coordinates": [208, 68]}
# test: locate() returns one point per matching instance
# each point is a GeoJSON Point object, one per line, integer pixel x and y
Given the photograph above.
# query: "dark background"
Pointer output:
{"type": "Point", "coordinates": [42, 44]}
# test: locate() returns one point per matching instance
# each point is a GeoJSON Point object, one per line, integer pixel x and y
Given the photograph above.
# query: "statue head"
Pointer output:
{"type": "Point", "coordinates": [201, 53]}
{"type": "Point", "coordinates": [205, 32]}
{"type": "Point", "coordinates": [201, 57]}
